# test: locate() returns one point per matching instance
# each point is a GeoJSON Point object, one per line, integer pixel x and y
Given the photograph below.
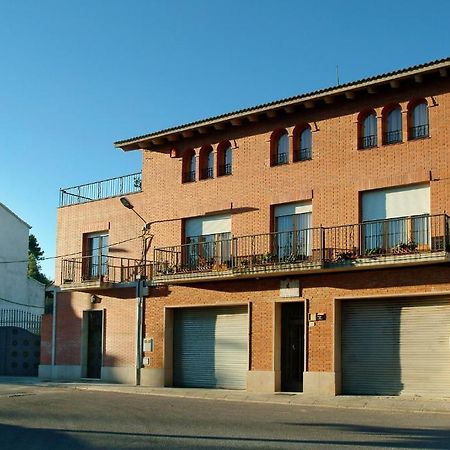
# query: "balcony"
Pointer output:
{"type": "Point", "coordinates": [112, 187]}
{"type": "Point", "coordinates": [376, 244]}
{"type": "Point", "coordinates": [100, 272]}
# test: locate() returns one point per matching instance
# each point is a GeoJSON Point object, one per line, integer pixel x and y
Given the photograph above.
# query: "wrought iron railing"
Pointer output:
{"type": "Point", "coordinates": [412, 236]}
{"type": "Point", "coordinates": [303, 154]}
{"type": "Point", "coordinates": [21, 319]}
{"type": "Point", "coordinates": [393, 137]}
{"type": "Point", "coordinates": [418, 132]}
{"type": "Point", "coordinates": [106, 269]}
{"type": "Point", "coordinates": [280, 159]}
{"type": "Point", "coordinates": [207, 173]}
{"type": "Point", "coordinates": [240, 253]}
{"type": "Point", "coordinates": [325, 246]}
{"type": "Point", "coordinates": [112, 187]}
{"type": "Point", "coordinates": [368, 141]}
{"type": "Point", "coordinates": [225, 169]}
{"type": "Point", "coordinates": [189, 177]}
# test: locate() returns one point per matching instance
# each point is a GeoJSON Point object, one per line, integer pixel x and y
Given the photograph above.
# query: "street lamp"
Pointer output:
{"type": "Point", "coordinates": [146, 241]}
{"type": "Point", "coordinates": [125, 202]}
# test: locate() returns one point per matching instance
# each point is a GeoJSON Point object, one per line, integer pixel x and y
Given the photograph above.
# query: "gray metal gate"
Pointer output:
{"type": "Point", "coordinates": [20, 342]}
{"type": "Point", "coordinates": [396, 346]}
{"type": "Point", "coordinates": [211, 347]}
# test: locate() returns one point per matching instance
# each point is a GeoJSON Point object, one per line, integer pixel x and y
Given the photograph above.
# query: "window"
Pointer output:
{"type": "Point", "coordinates": [418, 120]}
{"type": "Point", "coordinates": [208, 242]}
{"type": "Point", "coordinates": [368, 130]}
{"type": "Point", "coordinates": [225, 159]}
{"type": "Point", "coordinates": [280, 148]}
{"type": "Point", "coordinates": [206, 163]}
{"type": "Point", "coordinates": [392, 119]}
{"type": "Point", "coordinates": [96, 264]}
{"type": "Point", "coordinates": [189, 167]}
{"type": "Point", "coordinates": [396, 217]}
{"type": "Point", "coordinates": [293, 232]}
{"type": "Point", "coordinates": [302, 144]}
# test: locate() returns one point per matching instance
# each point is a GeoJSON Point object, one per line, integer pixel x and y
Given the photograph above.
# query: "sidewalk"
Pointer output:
{"type": "Point", "coordinates": [380, 403]}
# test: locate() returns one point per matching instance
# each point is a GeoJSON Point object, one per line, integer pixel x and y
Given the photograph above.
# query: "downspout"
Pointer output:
{"type": "Point", "coordinates": [54, 310]}
{"type": "Point", "coordinates": [139, 326]}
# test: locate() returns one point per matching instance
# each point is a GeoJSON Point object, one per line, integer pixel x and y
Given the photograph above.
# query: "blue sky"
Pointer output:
{"type": "Point", "coordinates": [75, 76]}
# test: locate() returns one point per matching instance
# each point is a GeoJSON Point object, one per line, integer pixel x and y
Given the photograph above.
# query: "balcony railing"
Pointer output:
{"type": "Point", "coordinates": [207, 173]}
{"type": "Point", "coordinates": [390, 241]}
{"type": "Point", "coordinates": [98, 190]}
{"type": "Point", "coordinates": [225, 169]}
{"type": "Point", "coordinates": [189, 177]}
{"type": "Point", "coordinates": [98, 270]}
{"type": "Point", "coordinates": [280, 159]}
{"type": "Point", "coordinates": [392, 137]}
{"type": "Point", "coordinates": [420, 131]}
{"type": "Point", "coordinates": [303, 154]}
{"type": "Point", "coordinates": [368, 141]}
{"type": "Point", "coordinates": [404, 236]}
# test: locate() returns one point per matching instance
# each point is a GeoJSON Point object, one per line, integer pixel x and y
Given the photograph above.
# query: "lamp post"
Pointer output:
{"type": "Point", "coordinates": [146, 241]}
{"type": "Point", "coordinates": [147, 238]}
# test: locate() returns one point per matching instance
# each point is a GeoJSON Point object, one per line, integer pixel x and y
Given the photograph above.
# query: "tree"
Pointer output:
{"type": "Point", "coordinates": [35, 253]}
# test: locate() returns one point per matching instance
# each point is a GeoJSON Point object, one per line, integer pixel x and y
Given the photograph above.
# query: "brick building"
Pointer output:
{"type": "Point", "coordinates": [300, 245]}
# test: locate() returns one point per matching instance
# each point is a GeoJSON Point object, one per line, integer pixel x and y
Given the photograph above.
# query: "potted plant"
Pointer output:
{"type": "Point", "coordinates": [375, 251]}
{"type": "Point", "coordinates": [405, 247]}
{"type": "Point", "coordinates": [346, 256]}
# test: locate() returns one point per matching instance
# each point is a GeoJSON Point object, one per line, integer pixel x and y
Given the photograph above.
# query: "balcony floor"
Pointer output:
{"type": "Point", "coordinates": [304, 268]}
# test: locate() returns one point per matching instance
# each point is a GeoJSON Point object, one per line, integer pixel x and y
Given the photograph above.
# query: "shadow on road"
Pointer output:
{"type": "Point", "coordinates": [386, 436]}
{"type": "Point", "coordinates": [14, 437]}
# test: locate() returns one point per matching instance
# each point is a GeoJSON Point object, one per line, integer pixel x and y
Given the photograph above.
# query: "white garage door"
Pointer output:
{"type": "Point", "coordinates": [211, 347]}
{"type": "Point", "coordinates": [392, 347]}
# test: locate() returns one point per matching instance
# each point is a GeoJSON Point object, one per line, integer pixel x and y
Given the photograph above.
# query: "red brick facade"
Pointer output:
{"type": "Point", "coordinates": [332, 181]}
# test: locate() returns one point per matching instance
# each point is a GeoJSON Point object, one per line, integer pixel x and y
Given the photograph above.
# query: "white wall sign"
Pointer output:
{"type": "Point", "coordinates": [289, 288]}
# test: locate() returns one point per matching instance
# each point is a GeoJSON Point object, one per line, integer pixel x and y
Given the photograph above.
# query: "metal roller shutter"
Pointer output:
{"type": "Point", "coordinates": [211, 347]}
{"type": "Point", "coordinates": [392, 347]}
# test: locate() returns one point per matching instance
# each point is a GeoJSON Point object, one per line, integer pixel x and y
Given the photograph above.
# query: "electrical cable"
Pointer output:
{"type": "Point", "coordinates": [75, 253]}
{"type": "Point", "coordinates": [21, 304]}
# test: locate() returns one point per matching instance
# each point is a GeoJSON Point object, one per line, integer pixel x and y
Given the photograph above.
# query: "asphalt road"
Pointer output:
{"type": "Point", "coordinates": [64, 418]}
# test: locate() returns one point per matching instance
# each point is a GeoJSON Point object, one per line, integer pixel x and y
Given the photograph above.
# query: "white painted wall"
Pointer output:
{"type": "Point", "coordinates": [14, 282]}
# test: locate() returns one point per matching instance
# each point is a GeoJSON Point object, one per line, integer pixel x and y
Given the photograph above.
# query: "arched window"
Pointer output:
{"type": "Point", "coordinates": [418, 120]}
{"type": "Point", "coordinates": [302, 143]}
{"type": "Point", "coordinates": [189, 166]}
{"type": "Point", "coordinates": [392, 121]}
{"type": "Point", "coordinates": [368, 130]}
{"type": "Point", "coordinates": [280, 148]}
{"type": "Point", "coordinates": [206, 163]}
{"type": "Point", "coordinates": [224, 159]}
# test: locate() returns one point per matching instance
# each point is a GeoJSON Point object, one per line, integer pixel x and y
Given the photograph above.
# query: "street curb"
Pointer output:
{"type": "Point", "coordinates": [297, 401]}
{"type": "Point", "coordinates": [376, 403]}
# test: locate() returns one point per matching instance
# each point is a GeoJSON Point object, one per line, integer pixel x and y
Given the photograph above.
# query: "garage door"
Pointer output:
{"type": "Point", "coordinates": [211, 347]}
{"type": "Point", "coordinates": [392, 347]}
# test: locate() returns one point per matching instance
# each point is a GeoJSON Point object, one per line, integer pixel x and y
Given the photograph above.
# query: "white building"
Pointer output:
{"type": "Point", "coordinates": [17, 290]}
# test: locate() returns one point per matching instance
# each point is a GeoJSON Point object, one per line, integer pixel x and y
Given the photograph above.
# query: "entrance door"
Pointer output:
{"type": "Point", "coordinates": [292, 346]}
{"type": "Point", "coordinates": [94, 343]}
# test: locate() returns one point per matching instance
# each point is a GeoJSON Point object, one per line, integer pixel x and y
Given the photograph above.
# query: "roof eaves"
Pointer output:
{"type": "Point", "coordinates": [333, 90]}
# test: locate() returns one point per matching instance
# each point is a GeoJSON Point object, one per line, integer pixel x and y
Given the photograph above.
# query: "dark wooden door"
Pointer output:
{"type": "Point", "coordinates": [292, 346]}
{"type": "Point", "coordinates": [94, 344]}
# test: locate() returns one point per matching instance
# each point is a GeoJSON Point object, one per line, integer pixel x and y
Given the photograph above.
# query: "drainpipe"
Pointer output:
{"type": "Point", "coordinates": [139, 327]}
{"type": "Point", "coordinates": [53, 356]}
